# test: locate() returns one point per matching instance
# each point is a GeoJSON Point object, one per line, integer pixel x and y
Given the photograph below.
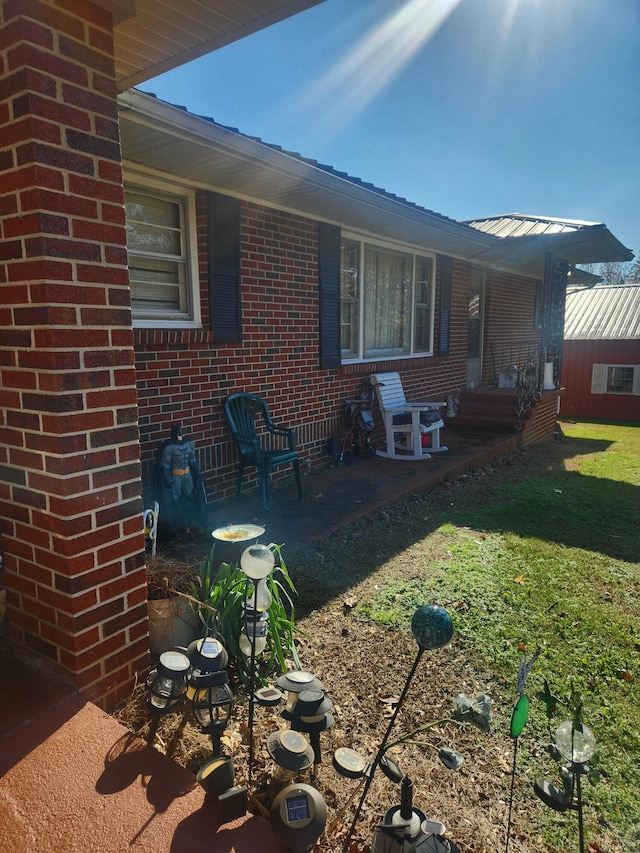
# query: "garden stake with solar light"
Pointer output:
{"type": "Point", "coordinates": [167, 686]}
{"type": "Point", "coordinates": [257, 562]}
{"type": "Point", "coordinates": [575, 745]}
{"type": "Point", "coordinates": [431, 627]}
{"type": "Point", "coordinates": [519, 717]}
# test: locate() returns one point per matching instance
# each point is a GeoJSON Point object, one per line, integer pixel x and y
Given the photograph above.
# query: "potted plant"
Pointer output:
{"type": "Point", "coordinates": [173, 615]}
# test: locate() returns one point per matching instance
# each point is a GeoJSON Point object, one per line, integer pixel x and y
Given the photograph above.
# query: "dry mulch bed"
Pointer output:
{"type": "Point", "coordinates": [363, 668]}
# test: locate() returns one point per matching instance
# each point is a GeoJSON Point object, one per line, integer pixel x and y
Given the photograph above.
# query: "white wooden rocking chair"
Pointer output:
{"type": "Point", "coordinates": [406, 424]}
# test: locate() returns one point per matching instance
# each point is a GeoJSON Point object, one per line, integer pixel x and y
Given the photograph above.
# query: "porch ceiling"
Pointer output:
{"type": "Point", "coordinates": [154, 36]}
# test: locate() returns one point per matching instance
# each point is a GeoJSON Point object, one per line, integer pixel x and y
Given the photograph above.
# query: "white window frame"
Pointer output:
{"type": "Point", "coordinates": [174, 191]}
{"type": "Point", "coordinates": [599, 379]}
{"type": "Point", "coordinates": [416, 252]}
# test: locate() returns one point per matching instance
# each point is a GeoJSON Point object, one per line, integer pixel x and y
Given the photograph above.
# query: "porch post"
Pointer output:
{"type": "Point", "coordinates": [70, 479]}
{"type": "Point", "coordinates": [554, 297]}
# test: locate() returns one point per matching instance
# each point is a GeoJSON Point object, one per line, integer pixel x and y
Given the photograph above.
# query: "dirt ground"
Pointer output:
{"type": "Point", "coordinates": [363, 668]}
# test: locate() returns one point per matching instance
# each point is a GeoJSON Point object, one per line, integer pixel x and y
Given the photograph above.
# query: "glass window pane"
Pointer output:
{"type": "Point", "coordinates": [150, 238]}
{"type": "Point", "coordinates": [349, 270]}
{"type": "Point", "coordinates": [349, 299]}
{"type": "Point", "coordinates": [422, 338]}
{"type": "Point", "coordinates": [156, 239]}
{"type": "Point", "coordinates": [349, 330]}
{"type": "Point", "coordinates": [154, 211]}
{"type": "Point", "coordinates": [388, 292]}
{"type": "Point", "coordinates": [619, 380]}
{"type": "Point", "coordinates": [157, 284]}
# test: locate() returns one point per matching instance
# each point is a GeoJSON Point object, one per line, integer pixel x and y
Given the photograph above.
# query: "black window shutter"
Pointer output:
{"type": "Point", "coordinates": [329, 272]}
{"type": "Point", "coordinates": [223, 247]}
{"type": "Point", "coordinates": [446, 276]}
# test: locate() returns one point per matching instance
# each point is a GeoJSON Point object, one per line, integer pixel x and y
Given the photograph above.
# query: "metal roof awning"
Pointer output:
{"type": "Point", "coordinates": [610, 312]}
{"type": "Point", "coordinates": [523, 241]}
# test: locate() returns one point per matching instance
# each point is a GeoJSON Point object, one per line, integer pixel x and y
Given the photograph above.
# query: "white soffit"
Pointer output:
{"type": "Point", "coordinates": [154, 36]}
{"type": "Point", "coordinates": [159, 136]}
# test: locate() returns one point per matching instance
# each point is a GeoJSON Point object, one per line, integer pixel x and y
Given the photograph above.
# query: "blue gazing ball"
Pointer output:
{"type": "Point", "coordinates": [431, 626]}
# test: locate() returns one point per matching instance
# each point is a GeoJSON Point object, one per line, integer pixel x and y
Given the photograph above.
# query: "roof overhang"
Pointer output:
{"type": "Point", "coordinates": [160, 136]}
{"type": "Point", "coordinates": [154, 36]}
{"type": "Point", "coordinates": [524, 240]}
{"type": "Point", "coordinates": [587, 244]}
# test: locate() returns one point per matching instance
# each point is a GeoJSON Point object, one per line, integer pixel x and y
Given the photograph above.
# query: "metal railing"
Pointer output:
{"type": "Point", "coordinates": [530, 384]}
{"type": "Point", "coordinates": [517, 357]}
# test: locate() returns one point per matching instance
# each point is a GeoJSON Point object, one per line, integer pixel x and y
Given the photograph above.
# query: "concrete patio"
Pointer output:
{"type": "Point", "coordinates": [72, 779]}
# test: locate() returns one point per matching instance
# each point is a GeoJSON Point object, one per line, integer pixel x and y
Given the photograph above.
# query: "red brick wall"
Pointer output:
{"type": "Point", "coordinates": [509, 332]}
{"type": "Point", "coordinates": [185, 376]}
{"type": "Point", "coordinates": [541, 423]}
{"type": "Point", "coordinates": [70, 504]}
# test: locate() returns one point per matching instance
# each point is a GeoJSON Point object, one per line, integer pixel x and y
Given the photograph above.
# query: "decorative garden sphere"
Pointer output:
{"type": "Point", "coordinates": [575, 744]}
{"type": "Point", "coordinates": [257, 561]}
{"type": "Point", "coordinates": [431, 626]}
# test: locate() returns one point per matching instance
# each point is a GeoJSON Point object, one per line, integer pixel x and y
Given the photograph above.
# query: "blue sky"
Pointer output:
{"type": "Point", "coordinates": [467, 107]}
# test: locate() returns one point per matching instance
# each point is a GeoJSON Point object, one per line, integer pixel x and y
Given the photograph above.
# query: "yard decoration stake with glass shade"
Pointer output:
{"type": "Point", "coordinates": [167, 686]}
{"type": "Point", "coordinates": [432, 627]}
{"type": "Point", "coordinates": [574, 745]}
{"type": "Point", "coordinates": [257, 562]}
{"type": "Point", "coordinates": [208, 688]}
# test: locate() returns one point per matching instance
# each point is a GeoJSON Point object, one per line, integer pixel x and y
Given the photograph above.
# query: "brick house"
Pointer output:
{"type": "Point", "coordinates": [152, 262]}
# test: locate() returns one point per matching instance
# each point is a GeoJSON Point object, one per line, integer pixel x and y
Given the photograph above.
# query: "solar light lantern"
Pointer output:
{"type": "Point", "coordinates": [298, 817]}
{"type": "Point", "coordinates": [405, 817]}
{"type": "Point", "coordinates": [575, 744]}
{"type": "Point", "coordinates": [257, 561]}
{"type": "Point", "coordinates": [295, 682]}
{"type": "Point", "coordinates": [261, 598]}
{"type": "Point", "coordinates": [167, 685]}
{"type": "Point", "coordinates": [212, 708]}
{"type": "Point", "coordinates": [253, 637]}
{"type": "Point", "coordinates": [207, 657]}
{"type": "Point", "coordinates": [291, 754]}
{"type": "Point", "coordinates": [310, 714]}
{"type": "Point", "coordinates": [208, 687]}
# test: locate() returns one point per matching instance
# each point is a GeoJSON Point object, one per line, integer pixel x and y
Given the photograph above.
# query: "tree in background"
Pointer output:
{"type": "Point", "coordinates": [616, 272]}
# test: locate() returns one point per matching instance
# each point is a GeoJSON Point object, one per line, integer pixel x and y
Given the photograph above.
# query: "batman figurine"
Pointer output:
{"type": "Point", "coordinates": [183, 497]}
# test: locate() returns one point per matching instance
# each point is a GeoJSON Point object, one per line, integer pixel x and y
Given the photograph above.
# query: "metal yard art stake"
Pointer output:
{"type": "Point", "coordinates": [519, 717]}
{"type": "Point", "coordinates": [431, 627]}
{"type": "Point", "coordinates": [574, 745]}
{"type": "Point", "coordinates": [257, 562]}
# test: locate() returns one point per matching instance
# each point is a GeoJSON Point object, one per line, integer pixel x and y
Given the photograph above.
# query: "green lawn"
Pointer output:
{"type": "Point", "coordinates": [550, 560]}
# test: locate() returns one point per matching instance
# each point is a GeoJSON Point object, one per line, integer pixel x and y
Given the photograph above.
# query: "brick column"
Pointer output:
{"type": "Point", "coordinates": [70, 482]}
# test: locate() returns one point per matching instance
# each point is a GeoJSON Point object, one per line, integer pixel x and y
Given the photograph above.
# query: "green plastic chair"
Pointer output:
{"type": "Point", "coordinates": [260, 441]}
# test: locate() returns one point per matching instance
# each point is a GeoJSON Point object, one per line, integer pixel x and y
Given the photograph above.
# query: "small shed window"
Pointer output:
{"type": "Point", "coordinates": [615, 379]}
